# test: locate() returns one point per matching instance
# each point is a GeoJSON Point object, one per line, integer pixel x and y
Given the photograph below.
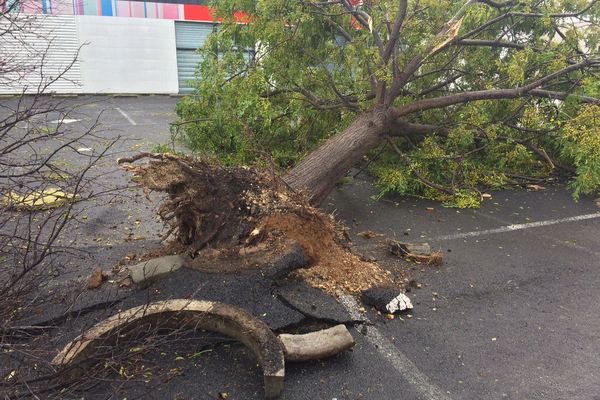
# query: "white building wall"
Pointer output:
{"type": "Point", "coordinates": [39, 55]}
{"type": "Point", "coordinates": [127, 55]}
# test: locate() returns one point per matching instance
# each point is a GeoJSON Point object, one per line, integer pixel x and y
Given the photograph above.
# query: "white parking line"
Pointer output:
{"type": "Point", "coordinates": [127, 117]}
{"type": "Point", "coordinates": [65, 121]}
{"type": "Point", "coordinates": [515, 227]}
{"type": "Point", "coordinates": [407, 369]}
{"type": "Point", "coordinates": [552, 239]}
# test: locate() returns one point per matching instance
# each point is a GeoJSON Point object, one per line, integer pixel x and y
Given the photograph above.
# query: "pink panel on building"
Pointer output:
{"type": "Point", "coordinates": [62, 7]}
{"type": "Point", "coordinates": [170, 11]}
{"type": "Point", "coordinates": [31, 6]}
{"type": "Point", "coordinates": [123, 8]}
{"type": "Point", "coordinates": [137, 9]}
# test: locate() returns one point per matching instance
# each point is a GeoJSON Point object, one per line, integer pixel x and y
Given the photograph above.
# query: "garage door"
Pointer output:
{"type": "Point", "coordinates": [189, 37]}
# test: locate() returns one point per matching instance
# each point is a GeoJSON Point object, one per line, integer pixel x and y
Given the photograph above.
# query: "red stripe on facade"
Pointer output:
{"type": "Point", "coordinates": [193, 12]}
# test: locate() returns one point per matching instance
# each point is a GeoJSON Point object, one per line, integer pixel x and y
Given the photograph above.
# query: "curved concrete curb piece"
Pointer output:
{"type": "Point", "coordinates": [316, 345]}
{"type": "Point", "coordinates": [192, 314]}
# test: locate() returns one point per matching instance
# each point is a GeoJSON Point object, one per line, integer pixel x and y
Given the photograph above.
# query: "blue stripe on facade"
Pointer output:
{"type": "Point", "coordinates": [107, 8]}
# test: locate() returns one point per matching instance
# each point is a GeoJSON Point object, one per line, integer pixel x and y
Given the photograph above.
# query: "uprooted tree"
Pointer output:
{"type": "Point", "coordinates": [449, 95]}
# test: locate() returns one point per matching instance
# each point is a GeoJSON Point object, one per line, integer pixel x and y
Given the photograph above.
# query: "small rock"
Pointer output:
{"type": "Point", "coordinates": [96, 279]}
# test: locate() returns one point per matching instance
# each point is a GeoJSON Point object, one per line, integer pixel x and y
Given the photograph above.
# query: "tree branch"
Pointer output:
{"type": "Point", "coordinates": [416, 62]}
{"type": "Point", "coordinates": [440, 85]}
{"type": "Point", "coordinates": [395, 33]}
{"type": "Point", "coordinates": [490, 43]}
{"type": "Point", "coordinates": [403, 128]}
{"type": "Point", "coordinates": [495, 4]}
{"type": "Point", "coordinates": [531, 89]}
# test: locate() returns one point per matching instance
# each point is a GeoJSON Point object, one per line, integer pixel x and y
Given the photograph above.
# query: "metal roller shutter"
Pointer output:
{"type": "Point", "coordinates": [189, 37]}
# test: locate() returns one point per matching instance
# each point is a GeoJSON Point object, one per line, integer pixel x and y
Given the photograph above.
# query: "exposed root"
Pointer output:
{"type": "Point", "coordinates": [231, 208]}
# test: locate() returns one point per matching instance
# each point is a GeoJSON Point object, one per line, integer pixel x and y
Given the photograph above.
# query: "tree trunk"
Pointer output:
{"type": "Point", "coordinates": [322, 169]}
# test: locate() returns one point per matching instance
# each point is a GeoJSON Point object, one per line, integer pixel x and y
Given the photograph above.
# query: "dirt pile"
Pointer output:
{"type": "Point", "coordinates": [234, 209]}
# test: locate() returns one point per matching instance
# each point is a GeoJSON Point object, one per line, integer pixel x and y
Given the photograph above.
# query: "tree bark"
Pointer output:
{"type": "Point", "coordinates": [322, 169]}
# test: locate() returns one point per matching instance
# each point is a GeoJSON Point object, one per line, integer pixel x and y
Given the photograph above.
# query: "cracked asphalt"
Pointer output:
{"type": "Point", "coordinates": [513, 312]}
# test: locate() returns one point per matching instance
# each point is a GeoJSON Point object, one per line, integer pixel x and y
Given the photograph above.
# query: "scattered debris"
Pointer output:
{"type": "Point", "coordinates": [399, 303]}
{"type": "Point", "coordinates": [486, 196]}
{"type": "Point", "coordinates": [598, 202]}
{"type": "Point", "coordinates": [85, 150]}
{"type": "Point", "coordinates": [96, 279]}
{"type": "Point", "coordinates": [535, 187]}
{"type": "Point", "coordinates": [386, 299]}
{"type": "Point", "coordinates": [369, 234]}
{"type": "Point", "coordinates": [11, 376]}
{"type": "Point", "coordinates": [317, 345]}
{"type": "Point", "coordinates": [37, 200]}
{"type": "Point", "coordinates": [418, 252]}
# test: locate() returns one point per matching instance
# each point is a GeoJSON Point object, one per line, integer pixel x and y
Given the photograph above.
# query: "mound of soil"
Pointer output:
{"type": "Point", "coordinates": [236, 210]}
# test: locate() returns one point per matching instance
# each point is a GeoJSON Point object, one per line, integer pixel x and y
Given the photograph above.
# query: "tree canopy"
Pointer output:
{"type": "Point", "coordinates": [474, 93]}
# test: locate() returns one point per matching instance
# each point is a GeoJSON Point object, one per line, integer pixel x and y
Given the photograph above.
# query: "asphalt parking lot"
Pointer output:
{"type": "Point", "coordinates": [511, 314]}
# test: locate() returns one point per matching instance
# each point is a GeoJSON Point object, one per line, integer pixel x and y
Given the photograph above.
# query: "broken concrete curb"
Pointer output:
{"type": "Point", "coordinates": [193, 314]}
{"type": "Point", "coordinates": [152, 269]}
{"type": "Point", "coordinates": [317, 345]}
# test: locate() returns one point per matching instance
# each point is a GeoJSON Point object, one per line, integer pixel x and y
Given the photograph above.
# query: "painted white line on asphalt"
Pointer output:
{"type": "Point", "coordinates": [409, 371]}
{"type": "Point", "coordinates": [65, 121]}
{"type": "Point", "coordinates": [570, 244]}
{"type": "Point", "coordinates": [515, 227]}
{"type": "Point", "coordinates": [127, 117]}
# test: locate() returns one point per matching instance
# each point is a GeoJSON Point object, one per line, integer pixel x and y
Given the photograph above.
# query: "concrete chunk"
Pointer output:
{"type": "Point", "coordinates": [154, 268]}
{"type": "Point", "coordinates": [316, 345]}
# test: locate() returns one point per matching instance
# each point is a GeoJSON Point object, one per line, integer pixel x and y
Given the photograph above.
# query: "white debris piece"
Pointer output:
{"type": "Point", "coordinates": [399, 303]}
{"type": "Point", "coordinates": [84, 150]}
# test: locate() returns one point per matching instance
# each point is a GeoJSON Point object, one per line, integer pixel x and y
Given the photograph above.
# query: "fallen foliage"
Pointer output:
{"type": "Point", "coordinates": [37, 200]}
